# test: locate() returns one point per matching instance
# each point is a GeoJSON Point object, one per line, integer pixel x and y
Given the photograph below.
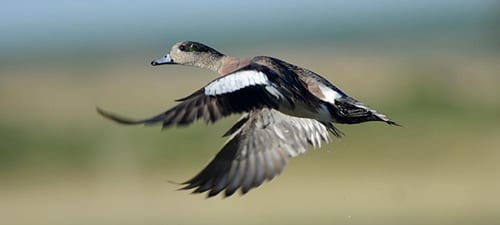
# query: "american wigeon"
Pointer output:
{"type": "Point", "coordinates": [286, 108]}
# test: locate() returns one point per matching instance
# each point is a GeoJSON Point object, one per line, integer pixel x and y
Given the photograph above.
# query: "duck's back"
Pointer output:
{"type": "Point", "coordinates": [314, 83]}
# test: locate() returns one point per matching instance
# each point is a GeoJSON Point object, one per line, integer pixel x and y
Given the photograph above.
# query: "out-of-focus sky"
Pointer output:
{"type": "Point", "coordinates": [30, 26]}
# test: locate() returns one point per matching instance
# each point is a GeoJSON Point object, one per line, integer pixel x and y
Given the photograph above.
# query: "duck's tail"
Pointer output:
{"type": "Point", "coordinates": [350, 111]}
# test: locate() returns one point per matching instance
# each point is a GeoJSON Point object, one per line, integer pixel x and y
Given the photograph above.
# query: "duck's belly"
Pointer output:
{"type": "Point", "coordinates": [302, 110]}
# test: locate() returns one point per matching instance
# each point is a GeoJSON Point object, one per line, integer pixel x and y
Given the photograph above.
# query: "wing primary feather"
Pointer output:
{"type": "Point", "coordinates": [127, 121]}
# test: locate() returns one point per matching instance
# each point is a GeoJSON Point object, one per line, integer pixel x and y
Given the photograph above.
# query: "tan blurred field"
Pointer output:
{"type": "Point", "coordinates": [63, 164]}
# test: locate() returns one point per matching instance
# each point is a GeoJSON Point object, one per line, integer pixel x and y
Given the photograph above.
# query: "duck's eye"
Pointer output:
{"type": "Point", "coordinates": [189, 48]}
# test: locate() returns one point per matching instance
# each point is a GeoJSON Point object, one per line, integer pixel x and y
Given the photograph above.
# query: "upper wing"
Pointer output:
{"type": "Point", "coordinates": [258, 150]}
{"type": "Point", "coordinates": [244, 90]}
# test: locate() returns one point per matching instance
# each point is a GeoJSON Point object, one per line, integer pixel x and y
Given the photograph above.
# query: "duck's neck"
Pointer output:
{"type": "Point", "coordinates": [211, 62]}
{"type": "Point", "coordinates": [222, 64]}
{"type": "Point", "coordinates": [229, 64]}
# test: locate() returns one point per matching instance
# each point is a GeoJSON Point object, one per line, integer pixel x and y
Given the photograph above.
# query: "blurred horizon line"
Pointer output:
{"type": "Point", "coordinates": [339, 22]}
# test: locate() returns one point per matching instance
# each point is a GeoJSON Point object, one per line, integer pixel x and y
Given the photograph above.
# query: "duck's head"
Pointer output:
{"type": "Point", "coordinates": [190, 53]}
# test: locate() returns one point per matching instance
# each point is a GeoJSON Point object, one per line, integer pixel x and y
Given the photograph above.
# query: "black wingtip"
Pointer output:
{"type": "Point", "coordinates": [116, 118]}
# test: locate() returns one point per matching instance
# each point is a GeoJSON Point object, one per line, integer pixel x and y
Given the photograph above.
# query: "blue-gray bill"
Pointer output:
{"type": "Point", "coordinates": [163, 60]}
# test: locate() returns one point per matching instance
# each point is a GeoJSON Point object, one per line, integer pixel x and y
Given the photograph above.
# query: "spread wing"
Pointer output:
{"type": "Point", "coordinates": [252, 87]}
{"type": "Point", "coordinates": [258, 150]}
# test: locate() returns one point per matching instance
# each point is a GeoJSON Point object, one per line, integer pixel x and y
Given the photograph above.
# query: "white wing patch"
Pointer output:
{"type": "Point", "coordinates": [275, 92]}
{"type": "Point", "coordinates": [330, 94]}
{"type": "Point", "coordinates": [236, 81]}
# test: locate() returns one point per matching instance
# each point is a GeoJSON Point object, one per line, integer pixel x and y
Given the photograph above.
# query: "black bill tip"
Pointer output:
{"type": "Point", "coordinates": [162, 61]}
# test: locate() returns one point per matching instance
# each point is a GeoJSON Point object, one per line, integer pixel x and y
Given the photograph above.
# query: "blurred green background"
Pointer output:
{"type": "Point", "coordinates": [433, 66]}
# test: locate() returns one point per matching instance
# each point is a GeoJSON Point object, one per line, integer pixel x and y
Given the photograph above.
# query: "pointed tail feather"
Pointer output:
{"type": "Point", "coordinates": [351, 111]}
{"type": "Point", "coordinates": [381, 117]}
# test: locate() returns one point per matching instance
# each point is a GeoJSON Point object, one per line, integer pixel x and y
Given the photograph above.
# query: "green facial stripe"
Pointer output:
{"type": "Point", "coordinates": [193, 48]}
{"type": "Point", "coordinates": [197, 47]}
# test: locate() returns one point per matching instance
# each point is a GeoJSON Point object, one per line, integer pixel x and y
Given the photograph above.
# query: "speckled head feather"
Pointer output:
{"type": "Point", "coordinates": [192, 54]}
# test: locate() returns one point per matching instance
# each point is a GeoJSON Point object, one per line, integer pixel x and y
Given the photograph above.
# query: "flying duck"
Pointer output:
{"type": "Point", "coordinates": [286, 108]}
